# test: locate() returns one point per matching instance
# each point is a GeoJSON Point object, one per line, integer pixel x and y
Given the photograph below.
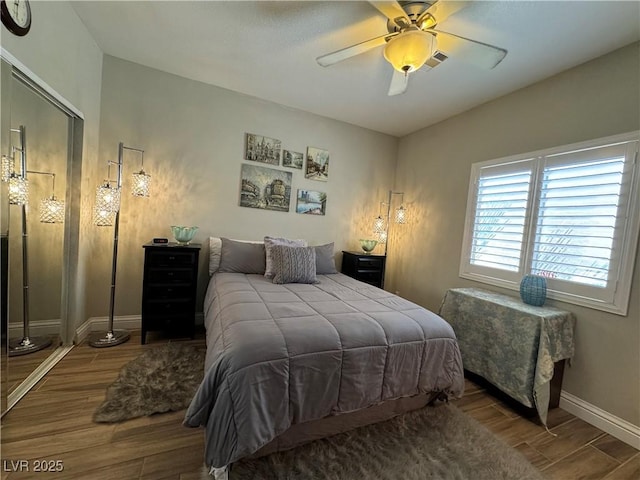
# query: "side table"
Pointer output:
{"type": "Point", "coordinates": [169, 288]}
{"type": "Point", "coordinates": [509, 343]}
{"type": "Point", "coordinates": [364, 267]}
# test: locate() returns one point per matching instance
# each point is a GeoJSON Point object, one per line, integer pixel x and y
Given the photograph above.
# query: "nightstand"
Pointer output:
{"type": "Point", "coordinates": [363, 267]}
{"type": "Point", "coordinates": [169, 289]}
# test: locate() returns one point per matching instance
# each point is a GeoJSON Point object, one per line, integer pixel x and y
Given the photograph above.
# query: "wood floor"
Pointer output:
{"type": "Point", "coordinates": [22, 366]}
{"type": "Point", "coordinates": [53, 422]}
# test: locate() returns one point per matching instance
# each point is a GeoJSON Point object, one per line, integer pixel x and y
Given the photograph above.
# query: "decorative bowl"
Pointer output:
{"type": "Point", "coordinates": [183, 235]}
{"type": "Point", "coordinates": [368, 245]}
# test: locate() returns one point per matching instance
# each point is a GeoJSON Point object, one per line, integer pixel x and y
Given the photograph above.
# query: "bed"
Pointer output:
{"type": "Point", "coordinates": [290, 362]}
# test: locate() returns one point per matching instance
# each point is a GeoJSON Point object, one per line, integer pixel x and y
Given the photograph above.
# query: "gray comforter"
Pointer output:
{"type": "Point", "coordinates": [284, 354]}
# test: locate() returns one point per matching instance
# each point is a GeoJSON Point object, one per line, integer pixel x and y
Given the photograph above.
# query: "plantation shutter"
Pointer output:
{"type": "Point", "coordinates": [580, 215]}
{"type": "Point", "coordinates": [568, 213]}
{"type": "Point", "coordinates": [500, 216]}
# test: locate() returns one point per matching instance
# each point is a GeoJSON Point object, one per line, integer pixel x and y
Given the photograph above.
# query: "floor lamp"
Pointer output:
{"type": "Point", "coordinates": [381, 223]}
{"type": "Point", "coordinates": [107, 213]}
{"type": "Point", "coordinates": [51, 211]}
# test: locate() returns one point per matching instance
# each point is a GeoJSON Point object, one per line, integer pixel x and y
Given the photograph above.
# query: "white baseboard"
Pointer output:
{"type": "Point", "coordinates": [127, 322]}
{"type": "Point", "coordinates": [95, 324]}
{"type": "Point", "coordinates": [36, 329]}
{"type": "Point", "coordinates": [614, 426]}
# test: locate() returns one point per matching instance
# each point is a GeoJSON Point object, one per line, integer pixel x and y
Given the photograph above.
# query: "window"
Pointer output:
{"type": "Point", "coordinates": [569, 214]}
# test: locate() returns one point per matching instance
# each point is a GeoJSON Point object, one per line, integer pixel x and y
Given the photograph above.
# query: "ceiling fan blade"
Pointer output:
{"type": "Point", "coordinates": [461, 48]}
{"type": "Point", "coordinates": [348, 52]}
{"type": "Point", "coordinates": [441, 10]}
{"type": "Point", "coordinates": [399, 83]}
{"type": "Point", "coordinates": [393, 11]}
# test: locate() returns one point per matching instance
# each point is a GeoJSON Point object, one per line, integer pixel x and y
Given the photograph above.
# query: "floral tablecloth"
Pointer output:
{"type": "Point", "coordinates": [509, 343]}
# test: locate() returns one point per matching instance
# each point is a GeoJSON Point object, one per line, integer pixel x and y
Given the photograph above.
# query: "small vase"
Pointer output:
{"type": "Point", "coordinates": [533, 290]}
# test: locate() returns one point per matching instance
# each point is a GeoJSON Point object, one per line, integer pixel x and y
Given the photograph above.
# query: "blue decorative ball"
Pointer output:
{"type": "Point", "coordinates": [533, 290]}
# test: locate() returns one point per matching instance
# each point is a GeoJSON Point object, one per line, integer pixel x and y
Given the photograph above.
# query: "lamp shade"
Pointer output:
{"type": "Point", "coordinates": [140, 184]}
{"type": "Point", "coordinates": [6, 168]}
{"type": "Point", "coordinates": [378, 225]}
{"type": "Point", "coordinates": [107, 205]}
{"type": "Point", "coordinates": [51, 210]}
{"type": "Point", "coordinates": [18, 190]}
{"type": "Point", "coordinates": [401, 215]}
{"type": "Point", "coordinates": [408, 51]}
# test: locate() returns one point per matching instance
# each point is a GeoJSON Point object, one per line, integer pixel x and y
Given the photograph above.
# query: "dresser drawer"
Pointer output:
{"type": "Point", "coordinates": [171, 259]}
{"type": "Point", "coordinates": [169, 292]}
{"type": "Point", "coordinates": [370, 262]}
{"type": "Point", "coordinates": [168, 307]}
{"type": "Point", "coordinates": [165, 275]}
{"type": "Point", "coordinates": [171, 324]}
{"type": "Point", "coordinates": [369, 276]}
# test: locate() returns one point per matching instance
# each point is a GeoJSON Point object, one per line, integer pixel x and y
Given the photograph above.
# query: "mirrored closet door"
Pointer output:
{"type": "Point", "coordinates": [38, 155]}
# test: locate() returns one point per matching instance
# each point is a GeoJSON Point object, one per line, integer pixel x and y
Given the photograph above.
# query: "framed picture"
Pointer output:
{"type": "Point", "coordinates": [265, 188]}
{"type": "Point", "coordinates": [317, 164]}
{"type": "Point", "coordinates": [292, 159]}
{"type": "Point", "coordinates": [262, 149]}
{"type": "Point", "coordinates": [311, 202]}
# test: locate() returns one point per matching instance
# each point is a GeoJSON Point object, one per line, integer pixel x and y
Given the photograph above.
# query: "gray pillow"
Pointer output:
{"type": "Point", "coordinates": [294, 264]}
{"type": "Point", "coordinates": [325, 263]}
{"type": "Point", "coordinates": [241, 257]}
{"type": "Point", "coordinates": [269, 242]}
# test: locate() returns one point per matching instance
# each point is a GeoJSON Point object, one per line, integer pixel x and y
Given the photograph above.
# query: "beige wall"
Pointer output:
{"type": "Point", "coordinates": [194, 139]}
{"type": "Point", "coordinates": [60, 51]}
{"type": "Point", "coordinates": [597, 99]}
{"type": "Point", "coordinates": [193, 134]}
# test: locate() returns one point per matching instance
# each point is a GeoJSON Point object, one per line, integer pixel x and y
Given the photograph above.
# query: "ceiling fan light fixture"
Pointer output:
{"type": "Point", "coordinates": [428, 22]}
{"type": "Point", "coordinates": [408, 51]}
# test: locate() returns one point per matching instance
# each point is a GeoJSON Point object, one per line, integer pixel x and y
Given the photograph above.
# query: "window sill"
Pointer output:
{"type": "Point", "coordinates": [552, 294]}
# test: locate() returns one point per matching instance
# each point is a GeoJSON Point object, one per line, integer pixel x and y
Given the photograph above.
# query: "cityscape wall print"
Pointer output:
{"type": "Point", "coordinates": [292, 159]}
{"type": "Point", "coordinates": [265, 188]}
{"type": "Point", "coordinates": [317, 167]}
{"type": "Point", "coordinates": [310, 202]}
{"type": "Point", "coordinates": [263, 149]}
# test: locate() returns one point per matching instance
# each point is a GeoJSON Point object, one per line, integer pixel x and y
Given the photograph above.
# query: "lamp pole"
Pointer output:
{"type": "Point", "coordinates": [26, 344]}
{"type": "Point", "coordinates": [114, 337]}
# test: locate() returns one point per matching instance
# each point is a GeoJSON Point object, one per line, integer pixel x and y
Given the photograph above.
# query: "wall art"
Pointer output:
{"type": "Point", "coordinates": [265, 188]}
{"type": "Point", "coordinates": [317, 167]}
{"type": "Point", "coordinates": [262, 149]}
{"type": "Point", "coordinates": [311, 202]}
{"type": "Point", "coordinates": [292, 159]}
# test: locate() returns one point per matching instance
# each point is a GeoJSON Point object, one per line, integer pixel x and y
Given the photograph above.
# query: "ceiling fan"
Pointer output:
{"type": "Point", "coordinates": [412, 40]}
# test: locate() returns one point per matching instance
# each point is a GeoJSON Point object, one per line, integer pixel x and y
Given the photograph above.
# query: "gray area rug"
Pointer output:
{"type": "Point", "coordinates": [162, 379]}
{"type": "Point", "coordinates": [438, 442]}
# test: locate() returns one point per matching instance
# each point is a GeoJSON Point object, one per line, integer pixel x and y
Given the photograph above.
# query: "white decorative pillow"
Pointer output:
{"type": "Point", "coordinates": [215, 252]}
{"type": "Point", "coordinates": [294, 264]}
{"type": "Point", "coordinates": [269, 243]}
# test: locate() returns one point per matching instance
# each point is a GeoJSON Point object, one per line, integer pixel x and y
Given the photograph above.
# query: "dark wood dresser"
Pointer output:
{"type": "Point", "coordinates": [169, 289]}
{"type": "Point", "coordinates": [363, 267]}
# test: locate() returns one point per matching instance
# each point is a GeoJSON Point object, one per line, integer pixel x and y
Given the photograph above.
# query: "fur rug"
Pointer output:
{"type": "Point", "coordinates": [162, 379]}
{"type": "Point", "coordinates": [438, 442]}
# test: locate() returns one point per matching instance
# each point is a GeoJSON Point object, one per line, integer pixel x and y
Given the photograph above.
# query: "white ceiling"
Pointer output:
{"type": "Point", "coordinates": [268, 49]}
